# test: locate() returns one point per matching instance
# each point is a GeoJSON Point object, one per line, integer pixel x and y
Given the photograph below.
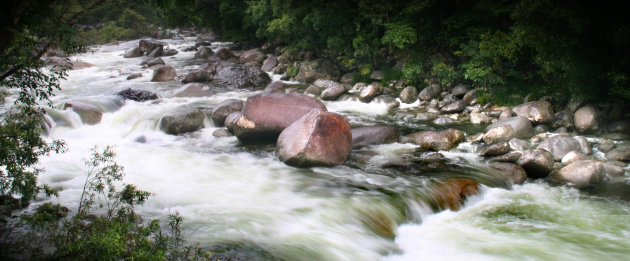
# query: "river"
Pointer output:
{"type": "Point", "coordinates": [242, 198]}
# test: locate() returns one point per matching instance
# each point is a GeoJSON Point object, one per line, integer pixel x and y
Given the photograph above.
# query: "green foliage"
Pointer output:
{"type": "Point", "coordinates": [293, 71]}
{"type": "Point", "coordinates": [399, 34]}
{"type": "Point", "coordinates": [117, 235]}
{"type": "Point", "coordinates": [20, 148]}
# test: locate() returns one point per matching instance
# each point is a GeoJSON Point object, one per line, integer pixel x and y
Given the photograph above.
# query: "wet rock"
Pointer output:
{"type": "Point", "coordinates": [537, 163]}
{"type": "Point", "coordinates": [409, 94]}
{"type": "Point", "coordinates": [224, 53]}
{"type": "Point", "coordinates": [508, 157]}
{"type": "Point", "coordinates": [497, 149]}
{"type": "Point", "coordinates": [252, 57]}
{"type": "Point", "coordinates": [571, 157]}
{"type": "Point", "coordinates": [182, 121]}
{"type": "Point", "coordinates": [606, 146]}
{"type": "Point", "coordinates": [154, 62]}
{"type": "Point", "coordinates": [230, 74]}
{"type": "Point", "coordinates": [469, 96]}
{"type": "Point", "coordinates": [133, 52]}
{"type": "Point", "coordinates": [621, 153]}
{"type": "Point", "coordinates": [333, 92]}
{"type": "Point", "coordinates": [562, 119]}
{"type": "Point", "coordinates": [265, 115]}
{"type": "Point", "coordinates": [454, 107]}
{"type": "Point", "coordinates": [429, 92]}
{"type": "Point", "coordinates": [163, 73]}
{"type": "Point", "coordinates": [220, 133]}
{"type": "Point", "coordinates": [519, 145]}
{"type": "Point", "coordinates": [541, 128]}
{"type": "Point", "coordinates": [373, 135]}
{"type": "Point", "coordinates": [319, 138]}
{"type": "Point", "coordinates": [89, 114]}
{"type": "Point", "coordinates": [522, 126]}
{"type": "Point", "coordinates": [370, 92]}
{"type": "Point", "coordinates": [459, 90]}
{"type": "Point", "coordinates": [498, 134]}
{"type": "Point", "coordinates": [276, 86]}
{"type": "Point", "coordinates": [427, 116]}
{"type": "Point", "coordinates": [475, 138]}
{"type": "Point", "coordinates": [189, 49]}
{"type": "Point", "coordinates": [318, 69]}
{"type": "Point", "coordinates": [269, 63]}
{"type": "Point", "coordinates": [225, 108]}
{"type": "Point", "coordinates": [194, 90]}
{"type": "Point", "coordinates": [435, 140]}
{"type": "Point", "coordinates": [559, 146]}
{"type": "Point", "coordinates": [169, 52]}
{"type": "Point", "coordinates": [613, 170]}
{"type": "Point", "coordinates": [158, 51]}
{"type": "Point", "coordinates": [313, 90]}
{"type": "Point", "coordinates": [479, 118]}
{"type": "Point", "coordinates": [452, 193]}
{"type": "Point", "coordinates": [148, 45]}
{"type": "Point", "coordinates": [511, 171]}
{"type": "Point", "coordinates": [580, 174]}
{"type": "Point", "coordinates": [537, 111]}
{"type": "Point", "coordinates": [589, 119]}
{"type": "Point", "coordinates": [443, 121]}
{"type": "Point", "coordinates": [585, 145]}
{"type": "Point", "coordinates": [134, 76]}
{"type": "Point", "coordinates": [137, 95]}
{"type": "Point", "coordinates": [203, 52]}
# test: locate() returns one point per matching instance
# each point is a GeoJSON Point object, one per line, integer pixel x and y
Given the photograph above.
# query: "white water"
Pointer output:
{"type": "Point", "coordinates": [230, 194]}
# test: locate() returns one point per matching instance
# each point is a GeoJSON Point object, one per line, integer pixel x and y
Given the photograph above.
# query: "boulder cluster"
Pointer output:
{"type": "Point", "coordinates": [537, 139]}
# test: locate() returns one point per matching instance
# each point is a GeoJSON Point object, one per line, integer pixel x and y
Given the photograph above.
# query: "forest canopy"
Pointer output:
{"type": "Point", "coordinates": [535, 46]}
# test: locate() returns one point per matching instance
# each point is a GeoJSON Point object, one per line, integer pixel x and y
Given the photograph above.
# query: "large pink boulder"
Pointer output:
{"type": "Point", "coordinates": [266, 115]}
{"type": "Point", "coordinates": [319, 138]}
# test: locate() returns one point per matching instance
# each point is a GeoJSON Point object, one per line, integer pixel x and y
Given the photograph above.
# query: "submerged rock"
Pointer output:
{"type": "Point", "coordinates": [89, 114]}
{"type": "Point", "coordinates": [373, 135]}
{"type": "Point", "coordinates": [133, 52]}
{"type": "Point", "coordinates": [182, 121]}
{"type": "Point", "coordinates": [435, 140]}
{"type": "Point", "coordinates": [319, 138]}
{"type": "Point", "coordinates": [137, 95]}
{"type": "Point", "coordinates": [452, 193]}
{"type": "Point", "coordinates": [194, 90]}
{"type": "Point", "coordinates": [266, 115]}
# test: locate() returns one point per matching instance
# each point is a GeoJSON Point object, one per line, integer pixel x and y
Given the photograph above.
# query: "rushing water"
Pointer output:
{"type": "Point", "coordinates": [242, 197]}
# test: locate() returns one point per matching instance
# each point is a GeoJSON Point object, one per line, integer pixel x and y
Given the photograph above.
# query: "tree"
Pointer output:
{"type": "Point", "coordinates": [28, 30]}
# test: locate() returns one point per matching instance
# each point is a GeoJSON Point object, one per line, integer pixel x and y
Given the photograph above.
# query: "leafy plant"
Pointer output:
{"type": "Point", "coordinates": [119, 233]}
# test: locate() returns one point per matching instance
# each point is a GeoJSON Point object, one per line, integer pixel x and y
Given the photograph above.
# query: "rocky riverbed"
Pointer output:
{"type": "Point", "coordinates": [313, 167]}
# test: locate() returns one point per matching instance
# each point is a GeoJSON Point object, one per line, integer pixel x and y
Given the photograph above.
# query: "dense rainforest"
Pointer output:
{"type": "Point", "coordinates": [506, 49]}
